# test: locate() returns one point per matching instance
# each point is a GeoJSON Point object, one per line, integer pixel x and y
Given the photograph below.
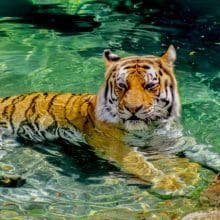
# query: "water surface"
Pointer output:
{"type": "Point", "coordinates": [59, 48]}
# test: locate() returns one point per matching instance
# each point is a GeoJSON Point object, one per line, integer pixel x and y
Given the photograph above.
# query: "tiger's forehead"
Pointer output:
{"type": "Point", "coordinates": [124, 72]}
{"type": "Point", "coordinates": [136, 62]}
{"type": "Point", "coordinates": [144, 66]}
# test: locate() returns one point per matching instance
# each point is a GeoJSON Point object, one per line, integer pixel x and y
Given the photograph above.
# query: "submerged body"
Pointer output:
{"type": "Point", "coordinates": [137, 107]}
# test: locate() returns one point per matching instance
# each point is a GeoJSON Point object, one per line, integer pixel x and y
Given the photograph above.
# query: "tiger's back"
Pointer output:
{"type": "Point", "coordinates": [45, 116]}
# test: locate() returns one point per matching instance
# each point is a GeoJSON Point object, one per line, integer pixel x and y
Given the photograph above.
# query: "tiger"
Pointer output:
{"type": "Point", "coordinates": [139, 96]}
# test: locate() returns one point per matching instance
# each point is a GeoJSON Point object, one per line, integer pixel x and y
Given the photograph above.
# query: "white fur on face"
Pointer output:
{"type": "Point", "coordinates": [107, 108]}
{"type": "Point", "coordinates": [135, 125]}
{"type": "Point", "coordinates": [151, 76]}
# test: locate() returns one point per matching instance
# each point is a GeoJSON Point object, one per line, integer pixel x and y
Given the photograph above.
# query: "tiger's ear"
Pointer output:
{"type": "Point", "coordinates": [170, 55]}
{"type": "Point", "coordinates": [110, 57]}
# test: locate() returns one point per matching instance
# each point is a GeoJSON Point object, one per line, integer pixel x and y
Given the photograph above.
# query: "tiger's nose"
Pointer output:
{"type": "Point", "coordinates": [133, 109]}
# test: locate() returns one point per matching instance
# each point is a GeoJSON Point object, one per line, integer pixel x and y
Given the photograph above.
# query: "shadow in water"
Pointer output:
{"type": "Point", "coordinates": [70, 159]}
{"type": "Point", "coordinates": [52, 17]}
{"type": "Point", "coordinates": [66, 160]}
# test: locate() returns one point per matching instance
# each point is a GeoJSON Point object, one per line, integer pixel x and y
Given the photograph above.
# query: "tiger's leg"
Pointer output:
{"type": "Point", "coordinates": [199, 153]}
{"type": "Point", "coordinates": [124, 156]}
{"type": "Point", "coordinates": [180, 174]}
{"type": "Point", "coordinates": [204, 155]}
{"type": "Point", "coordinates": [134, 162]}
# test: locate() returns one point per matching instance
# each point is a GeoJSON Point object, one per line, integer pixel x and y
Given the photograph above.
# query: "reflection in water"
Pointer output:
{"type": "Point", "coordinates": [59, 48]}
{"type": "Point", "coordinates": [68, 24]}
{"type": "Point", "coordinates": [51, 16]}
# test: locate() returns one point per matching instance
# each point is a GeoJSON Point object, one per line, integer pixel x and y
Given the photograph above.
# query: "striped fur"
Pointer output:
{"type": "Point", "coordinates": [44, 116]}
{"type": "Point", "coordinates": [138, 90]}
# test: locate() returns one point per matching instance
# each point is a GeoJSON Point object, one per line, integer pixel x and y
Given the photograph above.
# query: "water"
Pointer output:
{"type": "Point", "coordinates": [39, 53]}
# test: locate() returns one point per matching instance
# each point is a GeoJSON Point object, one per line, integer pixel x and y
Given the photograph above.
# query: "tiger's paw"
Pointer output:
{"type": "Point", "coordinates": [168, 185]}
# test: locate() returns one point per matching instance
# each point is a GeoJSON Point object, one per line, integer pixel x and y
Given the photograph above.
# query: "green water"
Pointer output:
{"type": "Point", "coordinates": [44, 55]}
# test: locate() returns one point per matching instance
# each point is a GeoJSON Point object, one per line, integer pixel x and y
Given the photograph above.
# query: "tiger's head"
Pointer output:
{"type": "Point", "coordinates": [138, 90]}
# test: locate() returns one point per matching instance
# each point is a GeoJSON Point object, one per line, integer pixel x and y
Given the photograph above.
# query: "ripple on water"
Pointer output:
{"type": "Point", "coordinates": [46, 60]}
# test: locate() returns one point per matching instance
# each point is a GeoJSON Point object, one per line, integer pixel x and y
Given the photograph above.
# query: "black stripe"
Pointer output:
{"type": "Point", "coordinates": [162, 69]}
{"type": "Point", "coordinates": [27, 122]}
{"type": "Point", "coordinates": [147, 67]}
{"type": "Point", "coordinates": [4, 99]}
{"type": "Point", "coordinates": [14, 102]}
{"type": "Point", "coordinates": [5, 109]}
{"type": "Point", "coordinates": [172, 101]}
{"type": "Point", "coordinates": [171, 89]}
{"type": "Point", "coordinates": [158, 93]}
{"type": "Point", "coordinates": [110, 100]}
{"type": "Point", "coordinates": [50, 106]}
{"type": "Point", "coordinates": [68, 101]}
{"type": "Point", "coordinates": [112, 90]}
{"type": "Point", "coordinates": [40, 133]}
{"type": "Point", "coordinates": [115, 58]}
{"type": "Point", "coordinates": [165, 70]}
{"type": "Point", "coordinates": [51, 102]}
{"type": "Point", "coordinates": [89, 118]}
{"type": "Point", "coordinates": [113, 69]}
{"type": "Point", "coordinates": [113, 75]}
{"type": "Point", "coordinates": [31, 106]}
{"type": "Point", "coordinates": [3, 124]}
{"type": "Point", "coordinates": [166, 91]}
{"type": "Point", "coordinates": [130, 67]}
{"type": "Point", "coordinates": [169, 110]}
{"type": "Point", "coordinates": [34, 109]}
{"type": "Point", "coordinates": [106, 91]}
{"type": "Point", "coordinates": [166, 102]}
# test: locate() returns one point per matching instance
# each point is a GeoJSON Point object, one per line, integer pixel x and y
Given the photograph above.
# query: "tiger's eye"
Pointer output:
{"type": "Point", "coordinates": [150, 86]}
{"type": "Point", "coordinates": [122, 85]}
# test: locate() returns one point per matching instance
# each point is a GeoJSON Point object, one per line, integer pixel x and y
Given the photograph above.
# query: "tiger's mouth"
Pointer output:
{"type": "Point", "coordinates": [134, 118]}
{"type": "Point", "coordinates": [134, 123]}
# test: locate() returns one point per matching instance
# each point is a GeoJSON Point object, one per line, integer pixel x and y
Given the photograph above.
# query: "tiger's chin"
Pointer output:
{"type": "Point", "coordinates": [135, 125]}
